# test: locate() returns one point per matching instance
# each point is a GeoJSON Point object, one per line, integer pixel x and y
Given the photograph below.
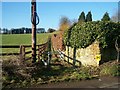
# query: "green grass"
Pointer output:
{"type": "Point", "coordinates": [24, 39]}
{"type": "Point", "coordinates": [21, 39]}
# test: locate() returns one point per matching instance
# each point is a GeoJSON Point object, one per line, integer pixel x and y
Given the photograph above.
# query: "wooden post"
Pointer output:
{"type": "Point", "coordinates": [38, 52]}
{"type": "Point", "coordinates": [44, 47]}
{"type": "Point", "coordinates": [22, 53]}
{"type": "Point", "coordinates": [79, 64]}
{"type": "Point", "coordinates": [48, 61]}
{"type": "Point", "coordinates": [74, 56]}
{"type": "Point", "coordinates": [68, 54]}
{"type": "Point", "coordinates": [33, 8]}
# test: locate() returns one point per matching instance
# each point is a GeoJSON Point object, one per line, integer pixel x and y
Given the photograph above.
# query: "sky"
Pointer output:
{"type": "Point", "coordinates": [18, 14]}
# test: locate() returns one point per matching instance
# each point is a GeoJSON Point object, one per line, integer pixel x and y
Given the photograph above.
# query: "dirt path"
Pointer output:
{"type": "Point", "coordinates": [103, 82]}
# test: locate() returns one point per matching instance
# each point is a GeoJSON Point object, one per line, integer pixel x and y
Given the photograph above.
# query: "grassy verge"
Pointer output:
{"type": "Point", "coordinates": [16, 74]}
{"type": "Point", "coordinates": [110, 68]}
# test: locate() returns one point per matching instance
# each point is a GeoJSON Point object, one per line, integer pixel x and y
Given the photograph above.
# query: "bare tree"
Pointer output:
{"type": "Point", "coordinates": [64, 23]}
{"type": "Point", "coordinates": [117, 48]}
{"type": "Point", "coordinates": [116, 16]}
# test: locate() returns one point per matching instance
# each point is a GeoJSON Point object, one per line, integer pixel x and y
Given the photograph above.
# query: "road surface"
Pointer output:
{"type": "Point", "coordinates": [103, 82]}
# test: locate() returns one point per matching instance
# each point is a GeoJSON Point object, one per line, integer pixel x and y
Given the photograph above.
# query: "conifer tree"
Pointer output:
{"type": "Point", "coordinates": [105, 17]}
{"type": "Point", "coordinates": [89, 17]}
{"type": "Point", "coordinates": [82, 17]}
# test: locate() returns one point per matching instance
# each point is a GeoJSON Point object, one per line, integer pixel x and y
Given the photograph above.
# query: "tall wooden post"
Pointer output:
{"type": "Point", "coordinates": [33, 9]}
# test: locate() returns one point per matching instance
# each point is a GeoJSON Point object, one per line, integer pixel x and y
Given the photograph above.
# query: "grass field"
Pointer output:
{"type": "Point", "coordinates": [22, 39]}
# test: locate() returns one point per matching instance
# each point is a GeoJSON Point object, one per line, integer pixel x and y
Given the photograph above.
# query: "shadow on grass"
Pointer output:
{"type": "Point", "coordinates": [55, 69]}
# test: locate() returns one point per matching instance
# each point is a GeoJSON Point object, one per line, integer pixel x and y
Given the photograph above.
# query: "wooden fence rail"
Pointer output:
{"type": "Point", "coordinates": [4, 54]}
{"type": "Point", "coordinates": [9, 46]}
{"type": "Point", "coordinates": [62, 56]}
{"type": "Point", "coordinates": [22, 53]}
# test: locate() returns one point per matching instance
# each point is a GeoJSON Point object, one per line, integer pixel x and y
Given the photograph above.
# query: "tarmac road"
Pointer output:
{"type": "Point", "coordinates": [103, 82]}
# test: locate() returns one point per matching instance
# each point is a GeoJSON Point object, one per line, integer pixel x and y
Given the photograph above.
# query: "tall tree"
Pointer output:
{"type": "Point", "coordinates": [105, 17]}
{"type": "Point", "coordinates": [82, 17]}
{"type": "Point", "coordinates": [89, 17]}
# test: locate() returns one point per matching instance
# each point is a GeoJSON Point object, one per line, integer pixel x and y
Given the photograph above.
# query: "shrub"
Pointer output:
{"type": "Point", "coordinates": [81, 35]}
{"type": "Point", "coordinates": [110, 69]}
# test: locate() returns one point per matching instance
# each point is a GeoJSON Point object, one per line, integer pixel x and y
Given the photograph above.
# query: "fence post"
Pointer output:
{"type": "Point", "coordinates": [48, 58]}
{"type": "Point", "coordinates": [79, 64]}
{"type": "Point", "coordinates": [22, 53]}
{"type": "Point", "coordinates": [44, 47]}
{"type": "Point", "coordinates": [68, 53]}
{"type": "Point", "coordinates": [74, 56]}
{"type": "Point", "coordinates": [48, 46]}
{"type": "Point", "coordinates": [38, 52]}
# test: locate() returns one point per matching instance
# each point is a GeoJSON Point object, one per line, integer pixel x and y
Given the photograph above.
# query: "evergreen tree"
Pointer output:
{"type": "Point", "coordinates": [105, 17]}
{"type": "Point", "coordinates": [82, 17]}
{"type": "Point", "coordinates": [89, 16]}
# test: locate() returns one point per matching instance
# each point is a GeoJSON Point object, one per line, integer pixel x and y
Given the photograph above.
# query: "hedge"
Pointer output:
{"type": "Point", "coordinates": [81, 35]}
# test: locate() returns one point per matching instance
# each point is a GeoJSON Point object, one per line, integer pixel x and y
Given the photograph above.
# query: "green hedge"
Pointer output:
{"type": "Point", "coordinates": [81, 35]}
